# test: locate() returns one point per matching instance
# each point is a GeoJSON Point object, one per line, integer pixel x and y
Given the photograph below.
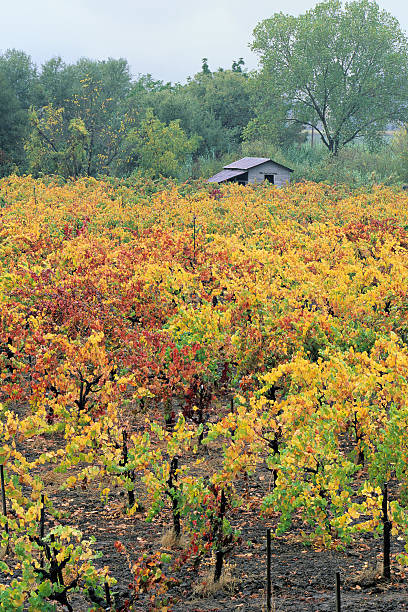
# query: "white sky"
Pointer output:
{"type": "Point", "coordinates": [167, 38]}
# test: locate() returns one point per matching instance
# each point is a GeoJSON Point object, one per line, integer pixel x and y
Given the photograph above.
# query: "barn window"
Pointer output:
{"type": "Point", "coordinates": [270, 178]}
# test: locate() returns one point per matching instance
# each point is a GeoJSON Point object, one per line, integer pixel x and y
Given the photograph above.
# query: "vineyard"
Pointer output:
{"type": "Point", "coordinates": [184, 367]}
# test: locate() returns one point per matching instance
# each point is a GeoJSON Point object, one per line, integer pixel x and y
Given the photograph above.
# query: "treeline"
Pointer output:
{"type": "Point", "coordinates": [330, 100]}
{"type": "Point", "coordinates": [92, 118]}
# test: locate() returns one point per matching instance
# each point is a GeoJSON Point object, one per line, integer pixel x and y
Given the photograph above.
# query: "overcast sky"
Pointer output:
{"type": "Point", "coordinates": [167, 38]}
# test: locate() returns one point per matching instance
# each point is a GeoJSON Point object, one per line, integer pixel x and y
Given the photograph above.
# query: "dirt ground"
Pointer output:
{"type": "Point", "coordinates": [302, 578]}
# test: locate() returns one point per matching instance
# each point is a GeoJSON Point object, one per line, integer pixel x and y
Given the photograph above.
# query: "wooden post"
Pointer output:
{"type": "Point", "coordinates": [125, 450]}
{"type": "Point", "coordinates": [194, 237]}
{"type": "Point", "coordinates": [337, 588]}
{"type": "Point", "coordinates": [42, 527]}
{"type": "Point", "coordinates": [232, 404]}
{"type": "Point", "coordinates": [174, 500]}
{"type": "Point", "coordinates": [35, 197]}
{"type": "Point", "coordinates": [130, 473]}
{"type": "Point", "coordinates": [219, 553]}
{"type": "Point", "coordinates": [268, 571]}
{"type": "Point", "coordinates": [386, 534]}
{"type": "Point", "coordinates": [108, 595]}
{"type": "Point", "coordinates": [42, 517]}
{"type": "Point", "coordinates": [30, 375]}
{"type": "Point", "coordinates": [3, 497]}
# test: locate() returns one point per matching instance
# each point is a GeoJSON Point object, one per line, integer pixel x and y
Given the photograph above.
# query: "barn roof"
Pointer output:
{"type": "Point", "coordinates": [224, 175]}
{"type": "Point", "coordinates": [249, 162]}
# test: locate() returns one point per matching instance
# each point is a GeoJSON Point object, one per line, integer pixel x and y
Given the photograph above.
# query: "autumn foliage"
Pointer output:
{"type": "Point", "coordinates": [119, 307]}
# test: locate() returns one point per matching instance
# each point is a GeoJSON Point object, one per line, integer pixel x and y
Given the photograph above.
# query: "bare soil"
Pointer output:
{"type": "Point", "coordinates": [302, 577]}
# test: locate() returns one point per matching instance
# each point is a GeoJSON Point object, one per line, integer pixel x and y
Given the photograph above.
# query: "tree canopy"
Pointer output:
{"type": "Point", "coordinates": [158, 148]}
{"type": "Point", "coordinates": [12, 127]}
{"type": "Point", "coordinates": [341, 70]}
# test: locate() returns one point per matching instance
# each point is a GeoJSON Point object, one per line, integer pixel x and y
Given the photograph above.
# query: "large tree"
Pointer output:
{"type": "Point", "coordinates": [80, 129]}
{"type": "Point", "coordinates": [159, 148]}
{"type": "Point", "coordinates": [13, 124]}
{"type": "Point", "coordinates": [21, 74]}
{"type": "Point", "coordinates": [215, 106]}
{"type": "Point", "coordinates": [341, 70]}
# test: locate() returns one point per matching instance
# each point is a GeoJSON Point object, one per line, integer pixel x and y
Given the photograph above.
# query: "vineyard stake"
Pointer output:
{"type": "Point", "coordinates": [219, 553]}
{"type": "Point", "coordinates": [194, 237]}
{"type": "Point", "coordinates": [129, 473]}
{"type": "Point", "coordinates": [338, 600]}
{"type": "Point", "coordinates": [386, 534]}
{"type": "Point", "coordinates": [125, 451]}
{"type": "Point", "coordinates": [42, 521]}
{"type": "Point", "coordinates": [268, 571]}
{"type": "Point", "coordinates": [232, 404]}
{"type": "Point", "coordinates": [173, 496]}
{"type": "Point", "coordinates": [42, 516]}
{"type": "Point", "coordinates": [108, 595]}
{"type": "Point", "coordinates": [30, 376]}
{"type": "Point", "coordinates": [3, 496]}
{"type": "Point", "coordinates": [35, 197]}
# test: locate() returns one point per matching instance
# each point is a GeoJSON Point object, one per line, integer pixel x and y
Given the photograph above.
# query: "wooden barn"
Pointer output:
{"type": "Point", "coordinates": [253, 170]}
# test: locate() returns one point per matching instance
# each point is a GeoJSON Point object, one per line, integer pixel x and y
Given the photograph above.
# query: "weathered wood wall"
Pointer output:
{"type": "Point", "coordinates": [257, 174]}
